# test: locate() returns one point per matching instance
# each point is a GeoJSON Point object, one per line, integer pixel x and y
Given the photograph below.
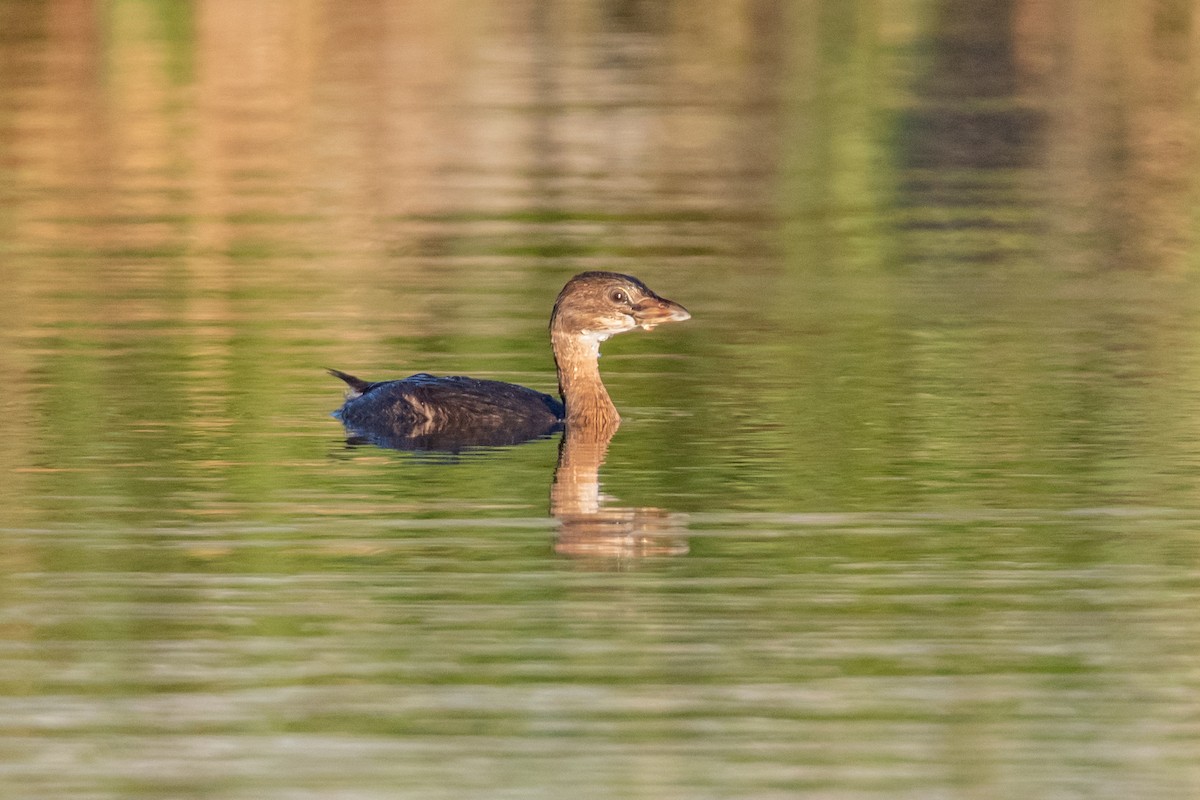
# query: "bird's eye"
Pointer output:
{"type": "Point", "coordinates": [618, 296]}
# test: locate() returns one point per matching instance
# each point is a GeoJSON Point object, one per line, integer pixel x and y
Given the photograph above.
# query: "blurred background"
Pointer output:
{"type": "Point", "coordinates": [924, 460]}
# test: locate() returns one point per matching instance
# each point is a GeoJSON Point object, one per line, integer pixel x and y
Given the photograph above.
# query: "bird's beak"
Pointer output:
{"type": "Point", "coordinates": [651, 311]}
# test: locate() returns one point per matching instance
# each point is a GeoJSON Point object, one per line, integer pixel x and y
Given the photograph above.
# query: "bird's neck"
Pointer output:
{"type": "Point", "coordinates": [588, 405]}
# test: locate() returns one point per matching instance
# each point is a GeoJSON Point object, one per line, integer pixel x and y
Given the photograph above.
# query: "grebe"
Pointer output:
{"type": "Point", "coordinates": [427, 412]}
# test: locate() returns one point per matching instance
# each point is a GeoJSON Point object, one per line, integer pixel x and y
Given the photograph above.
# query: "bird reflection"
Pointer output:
{"type": "Point", "coordinates": [590, 528]}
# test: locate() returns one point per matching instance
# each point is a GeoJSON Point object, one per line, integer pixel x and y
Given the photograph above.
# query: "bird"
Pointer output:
{"type": "Point", "coordinates": [424, 411]}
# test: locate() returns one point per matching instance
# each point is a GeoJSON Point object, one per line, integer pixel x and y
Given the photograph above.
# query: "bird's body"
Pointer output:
{"type": "Point", "coordinates": [423, 411]}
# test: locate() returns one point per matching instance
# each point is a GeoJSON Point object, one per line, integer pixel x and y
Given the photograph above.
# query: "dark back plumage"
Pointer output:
{"type": "Point", "coordinates": [446, 413]}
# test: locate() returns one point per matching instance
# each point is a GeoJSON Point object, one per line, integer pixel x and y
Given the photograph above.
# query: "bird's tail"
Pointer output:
{"type": "Point", "coordinates": [357, 385]}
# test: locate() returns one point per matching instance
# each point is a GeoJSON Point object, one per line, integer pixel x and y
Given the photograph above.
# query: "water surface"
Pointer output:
{"type": "Point", "coordinates": [907, 509]}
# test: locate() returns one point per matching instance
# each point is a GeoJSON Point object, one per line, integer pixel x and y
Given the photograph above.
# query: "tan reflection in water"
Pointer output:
{"type": "Point", "coordinates": [591, 529]}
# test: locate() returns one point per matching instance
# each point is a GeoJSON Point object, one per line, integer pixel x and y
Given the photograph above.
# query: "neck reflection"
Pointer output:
{"type": "Point", "coordinates": [590, 528]}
